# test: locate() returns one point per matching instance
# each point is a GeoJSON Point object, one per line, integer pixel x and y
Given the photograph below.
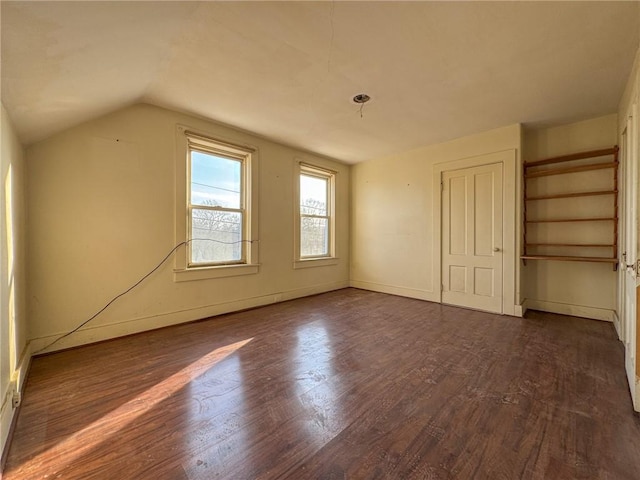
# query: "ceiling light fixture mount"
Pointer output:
{"type": "Point", "coordinates": [361, 98]}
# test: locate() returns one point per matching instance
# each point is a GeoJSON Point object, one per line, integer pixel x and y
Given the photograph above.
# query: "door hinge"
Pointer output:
{"type": "Point", "coordinates": [442, 186]}
{"type": "Point", "coordinates": [442, 288]}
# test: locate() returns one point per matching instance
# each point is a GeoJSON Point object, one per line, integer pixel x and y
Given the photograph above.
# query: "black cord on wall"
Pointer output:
{"type": "Point", "coordinates": [147, 275]}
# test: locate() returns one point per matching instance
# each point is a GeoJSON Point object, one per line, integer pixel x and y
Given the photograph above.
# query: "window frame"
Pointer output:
{"type": "Point", "coordinates": [189, 140]}
{"type": "Point", "coordinates": [330, 257]}
{"type": "Point", "coordinates": [242, 210]}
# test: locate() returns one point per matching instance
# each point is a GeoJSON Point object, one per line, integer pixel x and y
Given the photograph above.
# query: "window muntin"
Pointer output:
{"type": "Point", "coordinates": [217, 199]}
{"type": "Point", "coordinates": [315, 213]}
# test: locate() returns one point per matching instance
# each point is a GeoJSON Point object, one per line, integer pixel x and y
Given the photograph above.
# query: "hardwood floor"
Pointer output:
{"type": "Point", "coordinates": [345, 385]}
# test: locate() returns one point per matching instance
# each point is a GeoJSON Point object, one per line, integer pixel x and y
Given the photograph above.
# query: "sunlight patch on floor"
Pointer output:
{"type": "Point", "coordinates": [83, 441]}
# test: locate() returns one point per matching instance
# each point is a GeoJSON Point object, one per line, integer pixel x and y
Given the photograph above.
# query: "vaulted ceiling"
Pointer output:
{"type": "Point", "coordinates": [289, 70]}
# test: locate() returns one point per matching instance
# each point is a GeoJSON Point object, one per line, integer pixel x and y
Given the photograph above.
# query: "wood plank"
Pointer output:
{"type": "Point", "coordinates": [574, 156]}
{"type": "Point", "coordinates": [569, 220]}
{"type": "Point", "coordinates": [569, 258]}
{"type": "Point", "coordinates": [594, 245]}
{"type": "Point", "coordinates": [562, 171]}
{"type": "Point", "coordinates": [348, 384]}
{"type": "Point", "coordinates": [572, 195]}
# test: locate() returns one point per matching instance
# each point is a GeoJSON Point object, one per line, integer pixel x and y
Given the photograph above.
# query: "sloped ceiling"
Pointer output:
{"type": "Point", "coordinates": [288, 70]}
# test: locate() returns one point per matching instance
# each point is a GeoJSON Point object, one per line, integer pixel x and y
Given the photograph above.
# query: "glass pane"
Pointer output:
{"type": "Point", "coordinates": [215, 181]}
{"type": "Point", "coordinates": [216, 236]}
{"type": "Point", "coordinates": [314, 236]}
{"type": "Point", "coordinates": [313, 195]}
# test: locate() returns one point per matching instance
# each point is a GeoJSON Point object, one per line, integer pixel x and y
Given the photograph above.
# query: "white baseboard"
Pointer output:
{"type": "Point", "coordinates": [105, 332]}
{"type": "Point", "coordinates": [314, 290]}
{"type": "Point", "coordinates": [7, 411]}
{"type": "Point", "coordinates": [427, 295]}
{"type": "Point", "coordinates": [520, 310]}
{"type": "Point", "coordinates": [636, 402]}
{"type": "Point", "coordinates": [594, 313]}
{"type": "Point", "coordinates": [23, 367]}
{"type": "Point", "coordinates": [394, 290]}
{"type": "Point", "coordinates": [617, 325]}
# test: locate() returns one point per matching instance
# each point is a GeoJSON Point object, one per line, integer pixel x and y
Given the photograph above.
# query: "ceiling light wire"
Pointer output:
{"type": "Point", "coordinates": [361, 98]}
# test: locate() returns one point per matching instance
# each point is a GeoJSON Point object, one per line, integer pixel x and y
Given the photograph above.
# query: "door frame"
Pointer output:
{"type": "Point", "coordinates": [629, 278]}
{"type": "Point", "coordinates": [510, 214]}
{"type": "Point", "coordinates": [469, 298]}
{"type": "Point", "coordinates": [620, 286]}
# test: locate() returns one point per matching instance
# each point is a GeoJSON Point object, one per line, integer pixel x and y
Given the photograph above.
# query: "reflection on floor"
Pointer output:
{"type": "Point", "coordinates": [349, 384]}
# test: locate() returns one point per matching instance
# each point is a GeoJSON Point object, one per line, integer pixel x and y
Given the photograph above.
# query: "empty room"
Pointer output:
{"type": "Point", "coordinates": [320, 240]}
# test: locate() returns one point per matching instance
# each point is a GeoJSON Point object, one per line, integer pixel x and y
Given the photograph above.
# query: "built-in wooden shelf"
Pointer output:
{"type": "Point", "coordinates": [575, 156]}
{"type": "Point", "coordinates": [573, 195]}
{"type": "Point", "coordinates": [570, 258]}
{"type": "Point", "coordinates": [567, 220]}
{"type": "Point", "coordinates": [562, 171]}
{"type": "Point", "coordinates": [587, 245]}
{"type": "Point", "coordinates": [531, 170]}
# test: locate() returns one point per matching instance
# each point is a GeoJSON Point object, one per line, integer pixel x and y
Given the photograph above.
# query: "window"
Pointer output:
{"type": "Point", "coordinates": [218, 227]}
{"type": "Point", "coordinates": [315, 226]}
{"type": "Point", "coordinates": [216, 210]}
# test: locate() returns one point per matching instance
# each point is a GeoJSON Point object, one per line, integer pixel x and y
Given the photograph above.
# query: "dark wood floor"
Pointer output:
{"type": "Point", "coordinates": [345, 385]}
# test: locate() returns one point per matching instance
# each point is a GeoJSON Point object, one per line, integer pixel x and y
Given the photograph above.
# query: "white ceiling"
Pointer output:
{"type": "Point", "coordinates": [288, 70]}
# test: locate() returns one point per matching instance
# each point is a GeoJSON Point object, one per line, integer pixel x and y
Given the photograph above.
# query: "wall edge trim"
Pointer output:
{"type": "Point", "coordinates": [427, 295]}
{"type": "Point", "coordinates": [9, 416]}
{"type": "Point", "coordinates": [584, 311]}
{"type": "Point", "coordinates": [142, 324]}
{"type": "Point", "coordinates": [617, 325]}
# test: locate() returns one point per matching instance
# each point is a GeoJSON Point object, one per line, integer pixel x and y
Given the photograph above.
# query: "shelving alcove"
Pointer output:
{"type": "Point", "coordinates": [544, 208]}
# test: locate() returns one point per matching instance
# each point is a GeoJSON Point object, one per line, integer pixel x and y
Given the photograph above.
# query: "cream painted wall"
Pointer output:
{"type": "Point", "coordinates": [394, 236]}
{"type": "Point", "coordinates": [574, 288]}
{"type": "Point", "coordinates": [14, 357]}
{"type": "Point", "coordinates": [101, 214]}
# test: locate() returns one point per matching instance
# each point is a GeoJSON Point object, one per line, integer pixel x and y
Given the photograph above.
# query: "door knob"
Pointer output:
{"type": "Point", "coordinates": [496, 249]}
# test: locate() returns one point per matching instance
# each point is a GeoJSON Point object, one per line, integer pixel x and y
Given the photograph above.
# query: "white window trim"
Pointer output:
{"type": "Point", "coordinates": [331, 258]}
{"type": "Point", "coordinates": [187, 137]}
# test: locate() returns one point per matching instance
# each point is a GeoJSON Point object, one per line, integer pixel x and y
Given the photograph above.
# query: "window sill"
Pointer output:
{"type": "Point", "coordinates": [206, 273]}
{"type": "Point", "coordinates": [315, 262]}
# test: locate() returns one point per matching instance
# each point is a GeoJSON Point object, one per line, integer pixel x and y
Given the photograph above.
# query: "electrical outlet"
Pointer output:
{"type": "Point", "coordinates": [16, 397]}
